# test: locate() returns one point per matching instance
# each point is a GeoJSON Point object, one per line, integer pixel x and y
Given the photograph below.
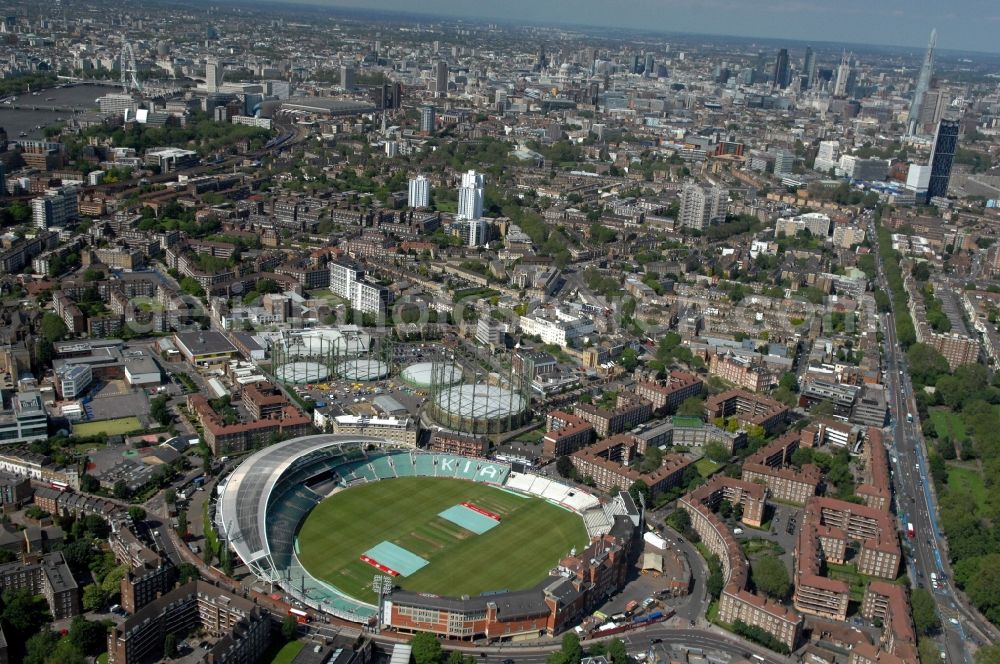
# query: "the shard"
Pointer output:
{"type": "Point", "coordinates": [923, 83]}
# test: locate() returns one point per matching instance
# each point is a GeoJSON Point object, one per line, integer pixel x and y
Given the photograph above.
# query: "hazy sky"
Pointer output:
{"type": "Point", "coordinates": [961, 24]}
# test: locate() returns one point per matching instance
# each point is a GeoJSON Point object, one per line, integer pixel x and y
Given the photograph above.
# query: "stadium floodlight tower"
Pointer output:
{"type": "Point", "coordinates": [381, 585]}
{"type": "Point", "coordinates": [129, 72]}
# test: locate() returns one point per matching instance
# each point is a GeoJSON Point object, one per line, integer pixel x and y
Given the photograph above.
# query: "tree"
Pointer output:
{"type": "Point", "coordinates": [78, 554]}
{"type": "Point", "coordinates": [426, 648]}
{"type": "Point", "coordinates": [725, 509]}
{"type": "Point", "coordinates": [23, 613]}
{"type": "Point", "coordinates": [66, 652]}
{"type": "Point", "coordinates": [564, 466]}
{"type": "Point", "coordinates": [170, 645]}
{"type": "Point", "coordinates": [679, 520]}
{"type": "Point", "coordinates": [113, 580]}
{"type": "Point", "coordinates": [640, 492]}
{"type": "Point", "coordinates": [802, 456]}
{"type": "Point", "coordinates": [52, 328]}
{"type": "Point", "coordinates": [40, 646]}
{"type": "Point", "coordinates": [925, 617]}
{"type": "Point", "coordinates": [616, 652]}
{"type": "Point", "coordinates": [692, 407]}
{"type": "Point", "coordinates": [136, 513]}
{"type": "Point", "coordinates": [182, 522]}
{"type": "Point", "coordinates": [716, 581]}
{"type": "Point", "coordinates": [289, 627]}
{"type": "Point", "coordinates": [89, 637]}
{"type": "Point", "coordinates": [170, 497]}
{"type": "Point", "coordinates": [988, 655]}
{"type": "Point", "coordinates": [89, 484]}
{"type": "Point", "coordinates": [822, 409]}
{"type": "Point", "coordinates": [159, 411]}
{"type": "Point", "coordinates": [455, 657]}
{"type": "Point", "coordinates": [94, 597]}
{"type": "Point", "coordinates": [925, 363]}
{"type": "Point", "coordinates": [717, 452]}
{"type": "Point", "coordinates": [629, 359]}
{"type": "Point", "coordinates": [571, 649]}
{"type": "Point", "coordinates": [187, 572]}
{"type": "Point", "coordinates": [985, 592]}
{"type": "Point", "coordinates": [120, 490]}
{"type": "Point", "coordinates": [771, 577]}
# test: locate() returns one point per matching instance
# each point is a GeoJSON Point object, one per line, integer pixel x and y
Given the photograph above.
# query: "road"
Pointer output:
{"type": "Point", "coordinates": [660, 637]}
{"type": "Point", "coordinates": [916, 504]}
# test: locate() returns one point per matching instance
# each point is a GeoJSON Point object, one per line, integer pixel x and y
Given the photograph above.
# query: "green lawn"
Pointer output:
{"type": "Point", "coordinates": [122, 425]}
{"type": "Point", "coordinates": [706, 466]}
{"type": "Point", "coordinates": [761, 547]}
{"type": "Point", "coordinates": [849, 574]}
{"type": "Point", "coordinates": [969, 480]}
{"type": "Point", "coordinates": [288, 652]}
{"type": "Point", "coordinates": [948, 424]}
{"type": "Point", "coordinates": [325, 294]}
{"type": "Point", "coordinates": [515, 555]}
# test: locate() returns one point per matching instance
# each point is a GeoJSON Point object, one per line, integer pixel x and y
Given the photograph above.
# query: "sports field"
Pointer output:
{"type": "Point", "coordinates": [532, 536]}
{"type": "Point", "coordinates": [120, 426]}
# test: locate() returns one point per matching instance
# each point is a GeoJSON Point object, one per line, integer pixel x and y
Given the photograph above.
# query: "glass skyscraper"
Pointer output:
{"type": "Point", "coordinates": [942, 157]}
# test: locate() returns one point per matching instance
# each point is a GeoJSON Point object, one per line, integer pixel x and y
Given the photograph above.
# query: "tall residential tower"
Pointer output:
{"type": "Point", "coordinates": [470, 196]}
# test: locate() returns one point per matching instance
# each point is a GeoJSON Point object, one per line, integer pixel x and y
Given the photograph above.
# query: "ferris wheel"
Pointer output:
{"type": "Point", "coordinates": [129, 72]}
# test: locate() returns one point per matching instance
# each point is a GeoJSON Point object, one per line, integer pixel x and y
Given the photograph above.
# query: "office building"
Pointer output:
{"type": "Point", "coordinates": [55, 208]}
{"type": "Point", "coordinates": [782, 76]}
{"type": "Point", "coordinates": [701, 207]}
{"type": "Point", "coordinates": [118, 104]}
{"type": "Point", "coordinates": [420, 192]}
{"type": "Point", "coordinates": [809, 67]}
{"type": "Point", "coordinates": [562, 328]}
{"type": "Point", "coordinates": [213, 75]}
{"type": "Point", "coordinates": [826, 158]}
{"type": "Point", "coordinates": [784, 161]}
{"type": "Point", "coordinates": [347, 77]}
{"type": "Point", "coordinates": [72, 380]}
{"type": "Point", "coordinates": [840, 85]}
{"type": "Point", "coordinates": [441, 78]}
{"type": "Point", "coordinates": [347, 281]}
{"type": "Point", "coordinates": [817, 223]}
{"type": "Point", "coordinates": [427, 119]}
{"type": "Point", "coordinates": [470, 197]}
{"type": "Point", "coordinates": [942, 157]}
{"type": "Point", "coordinates": [923, 84]}
{"type": "Point", "coordinates": [399, 431]}
{"type": "Point", "coordinates": [26, 420]}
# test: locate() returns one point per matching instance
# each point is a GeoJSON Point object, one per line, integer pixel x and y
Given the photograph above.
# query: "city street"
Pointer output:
{"type": "Point", "coordinates": [915, 503]}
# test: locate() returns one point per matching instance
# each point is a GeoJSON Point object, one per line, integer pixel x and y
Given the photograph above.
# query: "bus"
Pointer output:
{"type": "Point", "coordinates": [299, 615]}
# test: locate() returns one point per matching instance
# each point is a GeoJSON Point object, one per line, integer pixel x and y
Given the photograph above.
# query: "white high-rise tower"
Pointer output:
{"type": "Point", "coordinates": [470, 196]}
{"type": "Point", "coordinates": [420, 192]}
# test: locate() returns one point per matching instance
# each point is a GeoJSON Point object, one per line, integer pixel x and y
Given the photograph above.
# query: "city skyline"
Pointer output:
{"type": "Point", "coordinates": [893, 24]}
